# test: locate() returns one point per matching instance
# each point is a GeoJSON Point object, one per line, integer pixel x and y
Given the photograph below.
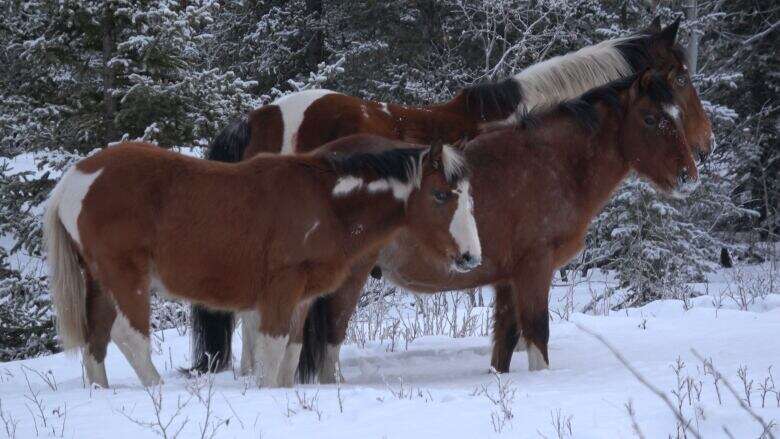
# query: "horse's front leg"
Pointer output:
{"type": "Point", "coordinates": [276, 306]}
{"type": "Point", "coordinates": [338, 309]}
{"type": "Point", "coordinates": [531, 287]}
{"type": "Point", "coordinates": [293, 352]}
{"type": "Point", "coordinates": [505, 330]}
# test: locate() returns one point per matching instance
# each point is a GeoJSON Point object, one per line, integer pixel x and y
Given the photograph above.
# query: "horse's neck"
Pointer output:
{"type": "Point", "coordinates": [447, 122]}
{"type": "Point", "coordinates": [595, 158]}
{"type": "Point", "coordinates": [370, 222]}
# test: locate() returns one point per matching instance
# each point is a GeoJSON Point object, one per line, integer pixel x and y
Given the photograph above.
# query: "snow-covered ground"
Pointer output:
{"type": "Point", "coordinates": [440, 386]}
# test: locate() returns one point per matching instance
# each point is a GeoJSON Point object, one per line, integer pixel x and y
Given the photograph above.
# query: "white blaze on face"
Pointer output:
{"type": "Point", "coordinates": [77, 186]}
{"type": "Point", "coordinates": [347, 184]}
{"type": "Point", "coordinates": [673, 111]}
{"type": "Point", "coordinates": [293, 107]}
{"type": "Point", "coordinates": [463, 227]}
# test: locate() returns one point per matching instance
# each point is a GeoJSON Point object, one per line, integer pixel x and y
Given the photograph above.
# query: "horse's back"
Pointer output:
{"type": "Point", "coordinates": [303, 121]}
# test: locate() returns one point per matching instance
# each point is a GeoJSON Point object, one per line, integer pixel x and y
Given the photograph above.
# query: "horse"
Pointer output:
{"type": "Point", "coordinates": [135, 218]}
{"type": "Point", "coordinates": [302, 121]}
{"type": "Point", "coordinates": [536, 188]}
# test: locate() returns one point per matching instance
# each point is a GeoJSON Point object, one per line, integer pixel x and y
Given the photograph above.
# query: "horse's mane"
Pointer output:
{"type": "Point", "coordinates": [493, 100]}
{"type": "Point", "coordinates": [635, 49]}
{"type": "Point", "coordinates": [402, 164]}
{"type": "Point", "coordinates": [561, 78]}
{"type": "Point", "coordinates": [583, 109]}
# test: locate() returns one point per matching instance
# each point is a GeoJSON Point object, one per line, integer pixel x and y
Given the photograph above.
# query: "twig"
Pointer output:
{"type": "Point", "coordinates": [642, 379]}
{"type": "Point", "coordinates": [754, 415]}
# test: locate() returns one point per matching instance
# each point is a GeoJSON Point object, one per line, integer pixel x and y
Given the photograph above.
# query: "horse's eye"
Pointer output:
{"type": "Point", "coordinates": [681, 80]}
{"type": "Point", "coordinates": [441, 197]}
{"type": "Point", "coordinates": [650, 121]}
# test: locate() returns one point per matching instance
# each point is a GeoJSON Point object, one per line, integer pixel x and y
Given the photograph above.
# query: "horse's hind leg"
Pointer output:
{"type": "Point", "coordinates": [532, 287]}
{"type": "Point", "coordinates": [129, 285]}
{"type": "Point", "coordinates": [505, 330]}
{"type": "Point", "coordinates": [100, 317]}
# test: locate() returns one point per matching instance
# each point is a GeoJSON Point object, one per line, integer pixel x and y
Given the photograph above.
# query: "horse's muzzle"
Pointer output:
{"type": "Point", "coordinates": [685, 185]}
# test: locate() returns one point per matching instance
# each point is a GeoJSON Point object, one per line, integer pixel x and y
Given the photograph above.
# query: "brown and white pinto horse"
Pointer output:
{"type": "Point", "coordinates": [284, 229]}
{"type": "Point", "coordinates": [303, 121]}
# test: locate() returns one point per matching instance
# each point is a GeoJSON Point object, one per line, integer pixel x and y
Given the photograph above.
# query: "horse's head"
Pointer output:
{"type": "Point", "coordinates": [441, 213]}
{"type": "Point", "coordinates": [666, 55]}
{"type": "Point", "coordinates": [655, 132]}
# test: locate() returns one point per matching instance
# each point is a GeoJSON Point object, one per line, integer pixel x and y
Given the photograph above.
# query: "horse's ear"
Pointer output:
{"type": "Point", "coordinates": [655, 26]}
{"type": "Point", "coordinates": [669, 34]}
{"type": "Point", "coordinates": [641, 82]}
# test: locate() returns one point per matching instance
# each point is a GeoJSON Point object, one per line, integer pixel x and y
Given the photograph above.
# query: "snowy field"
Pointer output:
{"type": "Point", "coordinates": [440, 386]}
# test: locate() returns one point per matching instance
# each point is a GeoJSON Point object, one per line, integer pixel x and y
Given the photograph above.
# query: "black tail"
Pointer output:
{"type": "Point", "coordinates": [315, 340]}
{"type": "Point", "coordinates": [230, 143]}
{"type": "Point", "coordinates": [212, 331]}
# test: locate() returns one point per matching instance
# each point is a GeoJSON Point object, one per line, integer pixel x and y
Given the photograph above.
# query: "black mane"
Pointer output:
{"type": "Point", "coordinates": [636, 51]}
{"type": "Point", "coordinates": [399, 163]}
{"type": "Point", "coordinates": [493, 100]}
{"type": "Point", "coordinates": [583, 109]}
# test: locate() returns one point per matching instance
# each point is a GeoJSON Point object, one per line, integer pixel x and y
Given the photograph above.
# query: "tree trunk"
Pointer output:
{"type": "Point", "coordinates": [109, 75]}
{"type": "Point", "coordinates": [315, 50]}
{"type": "Point", "coordinates": [692, 14]}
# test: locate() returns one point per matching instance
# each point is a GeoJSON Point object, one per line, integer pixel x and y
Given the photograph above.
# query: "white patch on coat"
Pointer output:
{"type": "Point", "coordinates": [330, 372]}
{"type": "Point", "coordinates": [345, 185]}
{"type": "Point", "coordinates": [383, 106]}
{"type": "Point", "coordinates": [289, 365]}
{"type": "Point", "coordinates": [364, 110]}
{"type": "Point", "coordinates": [135, 347]}
{"type": "Point", "coordinates": [535, 358]}
{"type": "Point", "coordinates": [463, 227]}
{"type": "Point", "coordinates": [76, 187]}
{"type": "Point", "coordinates": [269, 352]}
{"type": "Point", "coordinates": [673, 111]}
{"type": "Point", "coordinates": [293, 107]}
{"type": "Point", "coordinates": [378, 186]}
{"type": "Point", "coordinates": [399, 189]}
{"type": "Point", "coordinates": [311, 229]}
{"type": "Point", "coordinates": [568, 76]}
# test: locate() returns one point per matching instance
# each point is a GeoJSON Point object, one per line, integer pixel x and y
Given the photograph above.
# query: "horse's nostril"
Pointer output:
{"type": "Point", "coordinates": [466, 257]}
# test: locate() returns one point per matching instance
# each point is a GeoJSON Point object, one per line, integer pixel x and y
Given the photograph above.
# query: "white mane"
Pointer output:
{"type": "Point", "coordinates": [568, 76]}
{"type": "Point", "coordinates": [453, 162]}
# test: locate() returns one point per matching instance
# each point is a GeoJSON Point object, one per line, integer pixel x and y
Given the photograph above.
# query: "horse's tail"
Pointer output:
{"type": "Point", "coordinates": [230, 143]}
{"type": "Point", "coordinates": [67, 285]}
{"type": "Point", "coordinates": [212, 331]}
{"type": "Point", "coordinates": [315, 342]}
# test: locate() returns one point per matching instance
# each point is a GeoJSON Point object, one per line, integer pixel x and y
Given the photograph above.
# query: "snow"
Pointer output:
{"type": "Point", "coordinates": [437, 386]}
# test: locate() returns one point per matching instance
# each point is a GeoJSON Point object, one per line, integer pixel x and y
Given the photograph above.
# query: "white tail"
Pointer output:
{"type": "Point", "coordinates": [66, 282]}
